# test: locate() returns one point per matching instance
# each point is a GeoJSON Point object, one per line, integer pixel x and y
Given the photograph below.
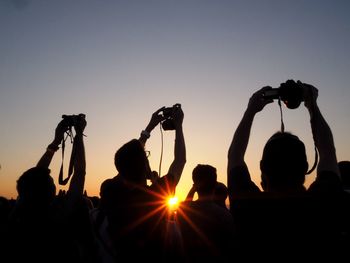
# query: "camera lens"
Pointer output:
{"type": "Point", "coordinates": [291, 94]}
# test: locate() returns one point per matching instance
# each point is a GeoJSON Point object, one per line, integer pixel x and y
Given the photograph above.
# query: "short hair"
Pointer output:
{"type": "Point", "coordinates": [204, 178]}
{"type": "Point", "coordinates": [107, 192]}
{"type": "Point", "coordinates": [284, 159]}
{"type": "Point", "coordinates": [36, 184]}
{"type": "Point", "coordinates": [131, 160]}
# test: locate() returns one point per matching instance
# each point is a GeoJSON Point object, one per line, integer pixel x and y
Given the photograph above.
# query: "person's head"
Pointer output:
{"type": "Point", "coordinates": [204, 178]}
{"type": "Point", "coordinates": [344, 169]}
{"type": "Point", "coordinates": [284, 162]}
{"type": "Point", "coordinates": [107, 191]}
{"type": "Point", "coordinates": [131, 162]}
{"type": "Point", "coordinates": [36, 186]}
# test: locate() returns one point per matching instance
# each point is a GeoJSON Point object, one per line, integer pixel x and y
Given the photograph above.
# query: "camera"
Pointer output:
{"type": "Point", "coordinates": [72, 120]}
{"type": "Point", "coordinates": [167, 123]}
{"type": "Point", "coordinates": [289, 92]}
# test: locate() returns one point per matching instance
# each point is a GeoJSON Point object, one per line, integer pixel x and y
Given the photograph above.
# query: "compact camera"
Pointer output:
{"type": "Point", "coordinates": [289, 92]}
{"type": "Point", "coordinates": [72, 120]}
{"type": "Point", "coordinates": [167, 123]}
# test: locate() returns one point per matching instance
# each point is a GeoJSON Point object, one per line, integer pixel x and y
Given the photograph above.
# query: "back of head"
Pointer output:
{"type": "Point", "coordinates": [36, 186]}
{"type": "Point", "coordinates": [284, 162]}
{"type": "Point", "coordinates": [204, 178]}
{"type": "Point", "coordinates": [131, 161]}
{"type": "Point", "coordinates": [107, 192]}
{"type": "Point", "coordinates": [344, 169]}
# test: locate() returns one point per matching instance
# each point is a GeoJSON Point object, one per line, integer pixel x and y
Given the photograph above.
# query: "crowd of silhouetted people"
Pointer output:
{"type": "Point", "coordinates": [130, 221]}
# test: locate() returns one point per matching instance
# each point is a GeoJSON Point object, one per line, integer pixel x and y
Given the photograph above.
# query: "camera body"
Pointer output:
{"type": "Point", "coordinates": [72, 120]}
{"type": "Point", "coordinates": [289, 92]}
{"type": "Point", "coordinates": [167, 123]}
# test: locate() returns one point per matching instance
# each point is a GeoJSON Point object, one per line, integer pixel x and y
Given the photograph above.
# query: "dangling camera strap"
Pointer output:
{"type": "Point", "coordinates": [62, 181]}
{"type": "Point", "coordinates": [315, 163]}
{"type": "Point", "coordinates": [282, 130]}
{"type": "Point", "coordinates": [280, 105]}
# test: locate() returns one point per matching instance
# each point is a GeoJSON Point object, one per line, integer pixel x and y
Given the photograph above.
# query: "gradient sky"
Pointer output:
{"type": "Point", "coordinates": [119, 61]}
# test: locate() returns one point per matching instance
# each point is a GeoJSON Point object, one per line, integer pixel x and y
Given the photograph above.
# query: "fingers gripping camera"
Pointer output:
{"type": "Point", "coordinates": [168, 122]}
{"type": "Point", "coordinates": [289, 92]}
{"type": "Point", "coordinates": [72, 120]}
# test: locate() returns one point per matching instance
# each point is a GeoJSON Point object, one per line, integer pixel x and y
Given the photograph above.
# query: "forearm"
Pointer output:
{"type": "Point", "coordinates": [179, 162]}
{"type": "Point", "coordinates": [78, 178]}
{"type": "Point", "coordinates": [190, 194]}
{"type": "Point", "coordinates": [145, 134]}
{"type": "Point", "coordinates": [324, 142]}
{"type": "Point", "coordinates": [46, 158]}
{"type": "Point", "coordinates": [180, 148]}
{"type": "Point", "coordinates": [240, 141]}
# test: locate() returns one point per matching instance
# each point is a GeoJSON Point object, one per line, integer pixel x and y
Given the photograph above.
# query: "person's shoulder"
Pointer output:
{"type": "Point", "coordinates": [326, 182]}
{"type": "Point", "coordinates": [169, 177]}
{"type": "Point", "coordinates": [167, 182]}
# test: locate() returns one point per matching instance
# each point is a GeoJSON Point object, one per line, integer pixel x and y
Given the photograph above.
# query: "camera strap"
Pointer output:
{"type": "Point", "coordinates": [316, 151]}
{"type": "Point", "coordinates": [280, 105]}
{"type": "Point", "coordinates": [62, 181]}
{"type": "Point", "coordinates": [315, 163]}
{"type": "Point", "coordinates": [282, 130]}
{"type": "Point", "coordinates": [161, 150]}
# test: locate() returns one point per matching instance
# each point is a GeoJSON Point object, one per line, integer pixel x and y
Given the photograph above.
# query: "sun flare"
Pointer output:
{"type": "Point", "coordinates": [173, 202]}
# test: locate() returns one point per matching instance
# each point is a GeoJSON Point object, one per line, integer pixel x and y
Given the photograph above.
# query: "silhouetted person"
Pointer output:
{"type": "Point", "coordinates": [5, 209]}
{"type": "Point", "coordinates": [48, 228]}
{"type": "Point", "coordinates": [220, 194]}
{"type": "Point", "coordinates": [207, 228]}
{"type": "Point", "coordinates": [286, 220]}
{"type": "Point", "coordinates": [137, 213]}
{"type": "Point", "coordinates": [344, 169]}
{"type": "Point", "coordinates": [98, 216]}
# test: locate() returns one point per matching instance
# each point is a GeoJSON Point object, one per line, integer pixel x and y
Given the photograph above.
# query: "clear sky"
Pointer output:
{"type": "Point", "coordinates": [119, 61]}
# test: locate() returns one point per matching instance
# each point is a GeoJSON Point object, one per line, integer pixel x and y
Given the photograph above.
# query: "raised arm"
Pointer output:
{"type": "Point", "coordinates": [179, 162]}
{"type": "Point", "coordinates": [241, 136]}
{"type": "Point", "coordinates": [191, 193]}
{"type": "Point", "coordinates": [156, 118]}
{"type": "Point", "coordinates": [46, 158]}
{"type": "Point", "coordinates": [321, 132]}
{"type": "Point", "coordinates": [77, 182]}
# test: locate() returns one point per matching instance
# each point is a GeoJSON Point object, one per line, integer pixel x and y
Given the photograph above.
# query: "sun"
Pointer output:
{"type": "Point", "coordinates": [173, 202]}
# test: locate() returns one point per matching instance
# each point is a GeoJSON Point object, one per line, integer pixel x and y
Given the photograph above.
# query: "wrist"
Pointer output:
{"type": "Point", "coordinates": [146, 134]}
{"type": "Point", "coordinates": [52, 147]}
{"type": "Point", "coordinates": [56, 141]}
{"type": "Point", "coordinates": [150, 127]}
{"type": "Point", "coordinates": [79, 134]}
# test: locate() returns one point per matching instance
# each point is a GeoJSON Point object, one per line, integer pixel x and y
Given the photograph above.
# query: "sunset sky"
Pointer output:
{"type": "Point", "coordinates": [119, 61]}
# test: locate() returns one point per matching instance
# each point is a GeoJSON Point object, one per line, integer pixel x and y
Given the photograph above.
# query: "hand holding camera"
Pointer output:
{"type": "Point", "coordinates": [76, 121]}
{"type": "Point", "coordinates": [290, 92]}
{"type": "Point", "coordinates": [172, 116]}
{"type": "Point", "coordinates": [310, 95]}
